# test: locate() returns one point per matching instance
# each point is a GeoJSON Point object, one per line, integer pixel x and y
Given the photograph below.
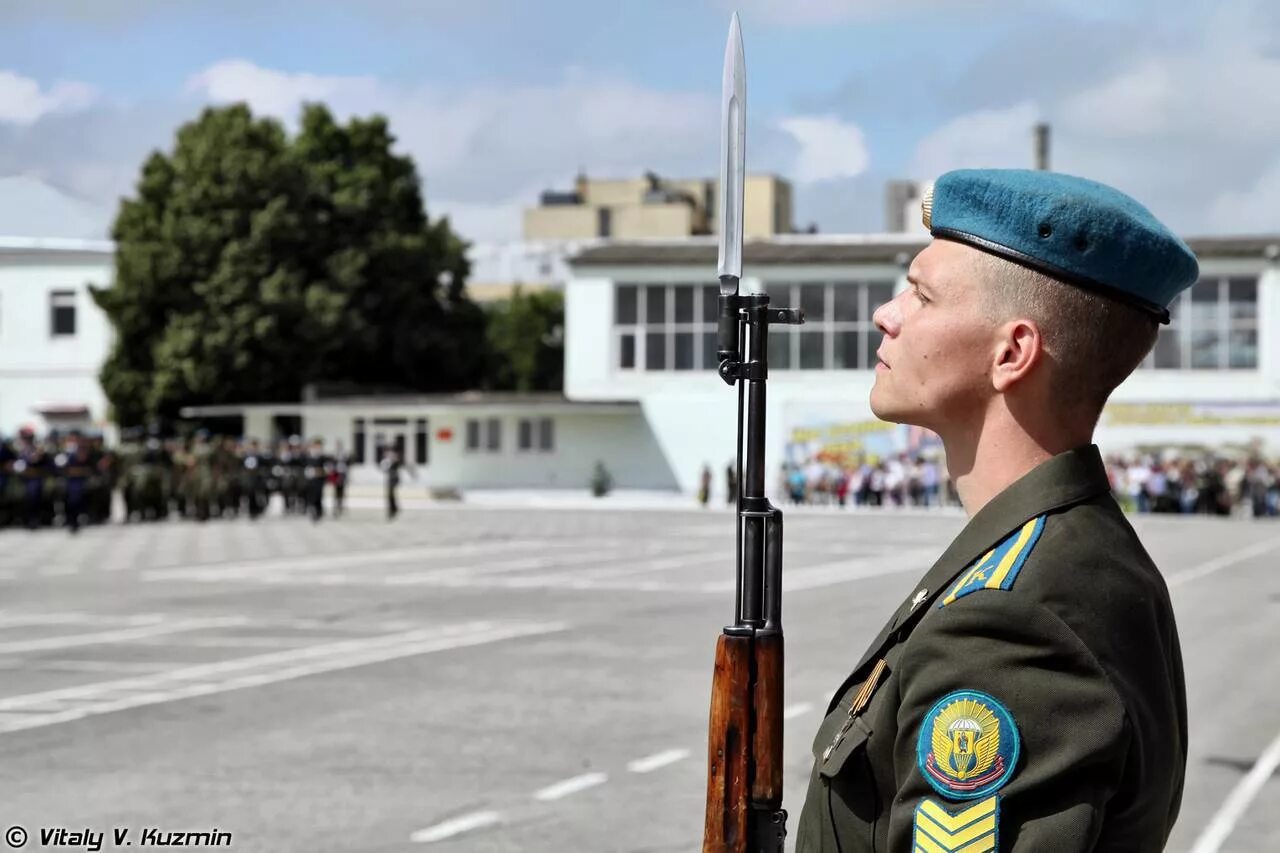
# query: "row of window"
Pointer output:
{"type": "Point", "coordinates": [661, 327]}
{"type": "Point", "coordinates": [673, 327]}
{"type": "Point", "coordinates": [483, 435]}
{"type": "Point", "coordinates": [532, 435]}
{"type": "Point", "coordinates": [1212, 326]}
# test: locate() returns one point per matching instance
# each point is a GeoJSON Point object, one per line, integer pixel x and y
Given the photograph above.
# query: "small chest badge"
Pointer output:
{"type": "Point", "coordinates": [919, 597]}
{"type": "Point", "coordinates": [968, 745]}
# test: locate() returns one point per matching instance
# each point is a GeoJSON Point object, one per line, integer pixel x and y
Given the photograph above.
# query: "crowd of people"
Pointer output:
{"type": "Point", "coordinates": [1163, 482]}
{"type": "Point", "coordinates": [1199, 483]}
{"type": "Point", "coordinates": [894, 481]}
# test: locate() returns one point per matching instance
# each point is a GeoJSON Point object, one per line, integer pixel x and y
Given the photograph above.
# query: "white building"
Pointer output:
{"type": "Point", "coordinates": [53, 337]}
{"type": "Point", "coordinates": [641, 394]}
{"type": "Point", "coordinates": [473, 440]}
{"type": "Point", "coordinates": [640, 326]}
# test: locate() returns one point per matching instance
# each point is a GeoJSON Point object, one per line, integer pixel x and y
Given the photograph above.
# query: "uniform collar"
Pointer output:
{"type": "Point", "coordinates": [1065, 479]}
{"type": "Point", "coordinates": [1061, 481]}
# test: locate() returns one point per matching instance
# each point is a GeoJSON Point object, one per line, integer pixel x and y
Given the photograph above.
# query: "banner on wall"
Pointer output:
{"type": "Point", "coordinates": [817, 437]}
{"type": "Point", "coordinates": [1191, 414]}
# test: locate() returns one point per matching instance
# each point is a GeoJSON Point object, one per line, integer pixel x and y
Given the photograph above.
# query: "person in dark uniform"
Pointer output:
{"type": "Point", "coordinates": [314, 470]}
{"type": "Point", "coordinates": [338, 466]}
{"type": "Point", "coordinates": [1028, 693]}
{"type": "Point", "coordinates": [74, 467]}
{"type": "Point", "coordinates": [391, 467]}
{"type": "Point", "coordinates": [31, 467]}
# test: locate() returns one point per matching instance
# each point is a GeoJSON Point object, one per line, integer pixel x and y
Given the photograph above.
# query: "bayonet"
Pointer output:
{"type": "Point", "coordinates": [733, 159]}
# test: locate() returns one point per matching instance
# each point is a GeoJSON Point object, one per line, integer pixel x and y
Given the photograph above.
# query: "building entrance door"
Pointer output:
{"type": "Point", "coordinates": [390, 434]}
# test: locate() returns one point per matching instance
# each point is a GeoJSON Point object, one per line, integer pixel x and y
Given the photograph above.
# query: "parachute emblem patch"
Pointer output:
{"type": "Point", "coordinates": [968, 745]}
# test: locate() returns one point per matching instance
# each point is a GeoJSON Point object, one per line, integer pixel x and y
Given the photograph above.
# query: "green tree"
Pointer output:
{"type": "Point", "coordinates": [249, 264]}
{"type": "Point", "coordinates": [526, 342]}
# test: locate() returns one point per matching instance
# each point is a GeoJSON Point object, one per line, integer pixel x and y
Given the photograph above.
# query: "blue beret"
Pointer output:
{"type": "Point", "coordinates": [1079, 231]}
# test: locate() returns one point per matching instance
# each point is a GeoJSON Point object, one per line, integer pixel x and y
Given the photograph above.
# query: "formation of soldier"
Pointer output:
{"type": "Point", "coordinates": [68, 480]}
{"type": "Point", "coordinates": [59, 479]}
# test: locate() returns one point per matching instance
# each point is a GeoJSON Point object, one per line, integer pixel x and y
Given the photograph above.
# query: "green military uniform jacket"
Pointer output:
{"type": "Point", "coordinates": [1027, 695]}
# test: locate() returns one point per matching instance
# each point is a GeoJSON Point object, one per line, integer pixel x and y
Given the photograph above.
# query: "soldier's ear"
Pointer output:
{"type": "Point", "coordinates": [1019, 348]}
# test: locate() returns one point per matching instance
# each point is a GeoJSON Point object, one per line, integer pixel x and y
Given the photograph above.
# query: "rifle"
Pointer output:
{"type": "Point", "coordinates": [744, 750]}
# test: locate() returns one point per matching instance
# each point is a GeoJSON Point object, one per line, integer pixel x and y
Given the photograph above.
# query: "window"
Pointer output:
{"type": "Point", "coordinates": [62, 307]}
{"type": "Point", "coordinates": [420, 441]}
{"type": "Point", "coordinates": [1212, 326]}
{"type": "Point", "coordinates": [357, 441]}
{"type": "Point", "coordinates": [536, 435]}
{"type": "Point", "coordinates": [493, 434]}
{"type": "Point", "coordinates": [473, 434]}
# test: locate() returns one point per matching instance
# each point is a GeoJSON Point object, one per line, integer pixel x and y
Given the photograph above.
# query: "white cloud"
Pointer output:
{"type": "Point", "coordinates": [985, 139]}
{"type": "Point", "coordinates": [23, 102]}
{"type": "Point", "coordinates": [829, 148]}
{"type": "Point", "coordinates": [273, 92]}
{"type": "Point", "coordinates": [1251, 210]}
{"type": "Point", "coordinates": [1190, 132]}
{"type": "Point", "coordinates": [474, 146]}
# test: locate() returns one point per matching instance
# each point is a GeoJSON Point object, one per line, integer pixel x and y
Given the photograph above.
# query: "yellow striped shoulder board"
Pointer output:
{"type": "Point", "coordinates": [999, 567]}
{"type": "Point", "coordinates": [974, 829]}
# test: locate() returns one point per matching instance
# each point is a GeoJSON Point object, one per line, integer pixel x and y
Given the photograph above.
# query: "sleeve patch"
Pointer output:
{"type": "Point", "coordinates": [968, 746]}
{"type": "Point", "coordinates": [999, 567]}
{"type": "Point", "coordinates": [975, 829]}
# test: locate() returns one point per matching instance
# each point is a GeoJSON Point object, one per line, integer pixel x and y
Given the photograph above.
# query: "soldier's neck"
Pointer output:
{"type": "Point", "coordinates": [985, 460]}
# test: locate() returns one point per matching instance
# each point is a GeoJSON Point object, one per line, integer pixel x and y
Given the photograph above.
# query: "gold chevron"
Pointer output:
{"type": "Point", "coordinates": [970, 831]}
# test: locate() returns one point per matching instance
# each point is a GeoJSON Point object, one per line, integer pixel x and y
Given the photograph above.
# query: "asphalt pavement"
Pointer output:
{"type": "Point", "coordinates": [501, 677]}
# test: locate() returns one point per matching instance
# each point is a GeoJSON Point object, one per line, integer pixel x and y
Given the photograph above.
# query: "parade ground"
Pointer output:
{"type": "Point", "coordinates": [502, 679]}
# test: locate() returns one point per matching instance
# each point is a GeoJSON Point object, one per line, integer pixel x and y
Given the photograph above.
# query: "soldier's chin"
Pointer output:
{"type": "Point", "coordinates": [882, 406]}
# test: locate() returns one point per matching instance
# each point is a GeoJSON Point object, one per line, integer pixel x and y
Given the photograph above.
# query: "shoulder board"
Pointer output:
{"type": "Point", "coordinates": [999, 567]}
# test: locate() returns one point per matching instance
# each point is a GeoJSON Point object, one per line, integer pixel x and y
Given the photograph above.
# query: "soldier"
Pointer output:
{"type": "Point", "coordinates": [30, 468]}
{"type": "Point", "coordinates": [74, 467]}
{"type": "Point", "coordinates": [1028, 693]}
{"type": "Point", "coordinates": [255, 467]}
{"type": "Point", "coordinates": [9, 485]}
{"type": "Point", "coordinates": [313, 476]}
{"type": "Point", "coordinates": [340, 463]}
{"type": "Point", "coordinates": [391, 467]}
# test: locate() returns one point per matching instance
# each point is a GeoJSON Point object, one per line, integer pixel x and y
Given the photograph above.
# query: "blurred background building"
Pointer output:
{"type": "Point", "coordinates": [635, 259]}
{"type": "Point", "coordinates": [654, 207]}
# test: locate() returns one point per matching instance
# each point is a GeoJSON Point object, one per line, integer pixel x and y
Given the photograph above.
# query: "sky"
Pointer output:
{"type": "Point", "coordinates": [1176, 103]}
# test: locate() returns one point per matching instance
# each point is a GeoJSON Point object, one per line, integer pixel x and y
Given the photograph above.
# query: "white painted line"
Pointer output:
{"type": "Point", "coordinates": [102, 666]}
{"type": "Point", "coordinates": [796, 710]}
{"type": "Point", "coordinates": [121, 635]}
{"type": "Point", "coordinates": [254, 569]}
{"type": "Point", "coordinates": [22, 620]}
{"type": "Point", "coordinates": [916, 560]}
{"type": "Point", "coordinates": [73, 703]}
{"type": "Point", "coordinates": [660, 759]}
{"type": "Point", "coordinates": [1233, 808]}
{"type": "Point", "coordinates": [570, 786]}
{"type": "Point", "coordinates": [1224, 562]}
{"type": "Point", "coordinates": [456, 826]}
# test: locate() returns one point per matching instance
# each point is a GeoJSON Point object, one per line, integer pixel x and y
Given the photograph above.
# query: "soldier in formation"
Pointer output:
{"type": "Point", "coordinates": [68, 480]}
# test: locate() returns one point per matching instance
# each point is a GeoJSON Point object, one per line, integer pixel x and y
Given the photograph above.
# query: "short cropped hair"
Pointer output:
{"type": "Point", "coordinates": [1093, 342]}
